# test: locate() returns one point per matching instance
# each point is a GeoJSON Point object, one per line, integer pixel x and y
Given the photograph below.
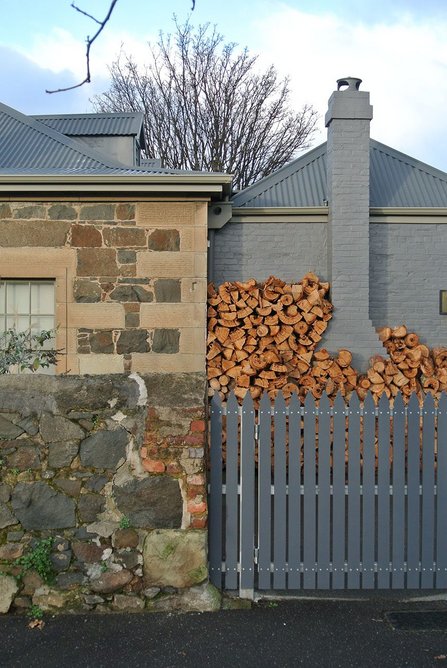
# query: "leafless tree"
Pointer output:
{"type": "Point", "coordinates": [207, 106]}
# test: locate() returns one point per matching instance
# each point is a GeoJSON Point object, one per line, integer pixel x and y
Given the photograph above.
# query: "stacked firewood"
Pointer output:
{"type": "Point", "coordinates": [411, 367]}
{"type": "Point", "coordinates": [262, 337]}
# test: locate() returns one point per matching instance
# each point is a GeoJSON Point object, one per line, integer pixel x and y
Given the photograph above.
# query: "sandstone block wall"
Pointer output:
{"type": "Point", "coordinates": [130, 279]}
{"type": "Point", "coordinates": [112, 469]}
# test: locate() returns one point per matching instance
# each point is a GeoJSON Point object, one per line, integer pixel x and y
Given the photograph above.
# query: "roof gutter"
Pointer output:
{"type": "Point", "coordinates": [169, 183]}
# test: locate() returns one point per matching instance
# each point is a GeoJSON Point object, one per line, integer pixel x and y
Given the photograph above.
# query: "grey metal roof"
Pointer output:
{"type": "Point", "coordinates": [28, 144]}
{"type": "Point", "coordinates": [301, 182]}
{"type": "Point", "coordinates": [91, 125]}
{"type": "Point", "coordinates": [396, 180]}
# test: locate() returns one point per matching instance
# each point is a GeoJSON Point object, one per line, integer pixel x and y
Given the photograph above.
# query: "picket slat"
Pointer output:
{"type": "Point", "coordinates": [368, 496]}
{"type": "Point", "coordinates": [413, 497]}
{"type": "Point", "coordinates": [264, 494]}
{"type": "Point", "coordinates": [441, 497]}
{"type": "Point", "coordinates": [398, 467]}
{"type": "Point", "coordinates": [280, 496]}
{"type": "Point", "coordinates": [231, 496]}
{"type": "Point", "coordinates": [309, 500]}
{"type": "Point", "coordinates": [215, 497]}
{"type": "Point", "coordinates": [338, 495]}
{"type": "Point", "coordinates": [354, 493]}
{"type": "Point", "coordinates": [294, 495]}
{"type": "Point", "coordinates": [324, 493]}
{"type": "Point", "coordinates": [383, 501]}
{"type": "Point", "coordinates": [428, 497]}
{"type": "Point", "coordinates": [247, 502]}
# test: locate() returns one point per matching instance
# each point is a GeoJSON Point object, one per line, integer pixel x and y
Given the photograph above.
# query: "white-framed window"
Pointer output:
{"type": "Point", "coordinates": [28, 305]}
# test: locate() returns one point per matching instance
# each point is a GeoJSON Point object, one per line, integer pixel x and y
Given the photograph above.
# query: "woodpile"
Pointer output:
{"type": "Point", "coordinates": [262, 337]}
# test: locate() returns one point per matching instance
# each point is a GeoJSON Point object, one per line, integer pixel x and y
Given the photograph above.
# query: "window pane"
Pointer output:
{"type": "Point", "coordinates": [17, 298]}
{"type": "Point", "coordinates": [41, 322]}
{"type": "Point", "coordinates": [42, 298]}
{"type": "Point", "coordinates": [19, 322]}
{"type": "Point", "coordinates": [2, 297]}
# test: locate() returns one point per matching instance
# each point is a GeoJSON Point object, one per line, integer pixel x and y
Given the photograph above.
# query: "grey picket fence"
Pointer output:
{"type": "Point", "coordinates": [314, 496]}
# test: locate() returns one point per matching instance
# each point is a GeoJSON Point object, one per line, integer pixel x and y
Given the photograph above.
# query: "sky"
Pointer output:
{"type": "Point", "coordinates": [397, 47]}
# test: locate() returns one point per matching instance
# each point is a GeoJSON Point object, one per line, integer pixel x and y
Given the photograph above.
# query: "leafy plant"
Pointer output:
{"type": "Point", "coordinates": [38, 559]}
{"type": "Point", "coordinates": [35, 612]}
{"type": "Point", "coordinates": [124, 522]}
{"type": "Point", "coordinates": [25, 350]}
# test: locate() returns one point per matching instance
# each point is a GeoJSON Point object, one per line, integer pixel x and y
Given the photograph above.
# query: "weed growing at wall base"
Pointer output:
{"type": "Point", "coordinates": [38, 559]}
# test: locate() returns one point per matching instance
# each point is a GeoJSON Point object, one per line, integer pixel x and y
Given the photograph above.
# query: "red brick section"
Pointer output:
{"type": "Point", "coordinates": [180, 455]}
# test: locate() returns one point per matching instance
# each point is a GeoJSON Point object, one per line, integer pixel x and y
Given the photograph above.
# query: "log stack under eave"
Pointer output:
{"type": "Point", "coordinates": [262, 337]}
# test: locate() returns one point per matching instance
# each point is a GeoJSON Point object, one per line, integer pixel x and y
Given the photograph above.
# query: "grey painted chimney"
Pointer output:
{"type": "Point", "coordinates": [347, 120]}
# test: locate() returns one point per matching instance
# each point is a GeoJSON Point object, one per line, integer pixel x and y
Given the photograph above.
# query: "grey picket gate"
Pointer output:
{"type": "Point", "coordinates": [314, 496]}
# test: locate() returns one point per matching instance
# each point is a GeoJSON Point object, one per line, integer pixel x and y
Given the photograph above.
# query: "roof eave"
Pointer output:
{"type": "Point", "coordinates": [279, 214]}
{"type": "Point", "coordinates": [203, 184]}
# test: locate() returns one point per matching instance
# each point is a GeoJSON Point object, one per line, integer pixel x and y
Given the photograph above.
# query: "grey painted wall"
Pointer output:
{"type": "Point", "coordinates": [408, 267]}
{"type": "Point", "coordinates": [257, 250]}
{"type": "Point", "coordinates": [118, 148]}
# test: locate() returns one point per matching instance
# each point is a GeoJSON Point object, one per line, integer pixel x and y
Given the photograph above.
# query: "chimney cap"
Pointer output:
{"type": "Point", "coordinates": [352, 83]}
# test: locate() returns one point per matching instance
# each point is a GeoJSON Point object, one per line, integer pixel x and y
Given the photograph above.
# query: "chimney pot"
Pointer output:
{"type": "Point", "coordinates": [352, 83]}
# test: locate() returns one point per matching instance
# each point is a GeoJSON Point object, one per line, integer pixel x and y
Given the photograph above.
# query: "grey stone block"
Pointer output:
{"type": "Point", "coordinates": [38, 506]}
{"type": "Point", "coordinates": [57, 428]}
{"type": "Point", "coordinates": [104, 449]}
{"type": "Point", "coordinates": [154, 502]}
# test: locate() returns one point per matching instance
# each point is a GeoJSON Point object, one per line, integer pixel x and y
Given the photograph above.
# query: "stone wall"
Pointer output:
{"type": "Point", "coordinates": [130, 279]}
{"type": "Point", "coordinates": [111, 468]}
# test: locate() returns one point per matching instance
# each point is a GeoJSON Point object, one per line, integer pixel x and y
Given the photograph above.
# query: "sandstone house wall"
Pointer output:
{"type": "Point", "coordinates": [130, 279]}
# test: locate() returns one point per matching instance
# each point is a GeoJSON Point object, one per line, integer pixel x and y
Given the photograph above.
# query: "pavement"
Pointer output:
{"type": "Point", "coordinates": [313, 633]}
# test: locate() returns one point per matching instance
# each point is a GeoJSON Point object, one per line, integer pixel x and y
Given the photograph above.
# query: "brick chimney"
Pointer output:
{"type": "Point", "coordinates": [347, 120]}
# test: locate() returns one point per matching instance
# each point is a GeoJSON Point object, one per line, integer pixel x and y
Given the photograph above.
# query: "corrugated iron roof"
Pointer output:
{"type": "Point", "coordinates": [396, 180]}
{"type": "Point", "coordinates": [28, 144]}
{"type": "Point", "coordinates": [301, 182]}
{"type": "Point", "coordinates": [30, 148]}
{"type": "Point", "coordinates": [77, 125]}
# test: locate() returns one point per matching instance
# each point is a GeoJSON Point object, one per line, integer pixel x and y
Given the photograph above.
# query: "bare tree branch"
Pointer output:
{"type": "Point", "coordinates": [208, 106]}
{"type": "Point", "coordinates": [89, 42]}
{"type": "Point", "coordinates": [81, 11]}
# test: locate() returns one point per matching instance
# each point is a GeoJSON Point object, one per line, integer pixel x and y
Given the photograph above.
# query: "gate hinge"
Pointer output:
{"type": "Point", "coordinates": [256, 555]}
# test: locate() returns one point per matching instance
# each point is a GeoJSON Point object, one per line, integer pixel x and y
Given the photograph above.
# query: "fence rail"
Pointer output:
{"type": "Point", "coordinates": [356, 497]}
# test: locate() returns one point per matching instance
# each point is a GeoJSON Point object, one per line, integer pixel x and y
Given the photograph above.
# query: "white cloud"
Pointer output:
{"type": "Point", "coordinates": [59, 50]}
{"type": "Point", "coordinates": [402, 64]}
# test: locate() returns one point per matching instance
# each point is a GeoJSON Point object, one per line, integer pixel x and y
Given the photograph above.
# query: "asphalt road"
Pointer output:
{"type": "Point", "coordinates": [297, 633]}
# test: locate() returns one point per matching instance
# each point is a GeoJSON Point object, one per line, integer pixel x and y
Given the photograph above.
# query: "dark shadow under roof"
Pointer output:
{"type": "Point", "coordinates": [396, 180]}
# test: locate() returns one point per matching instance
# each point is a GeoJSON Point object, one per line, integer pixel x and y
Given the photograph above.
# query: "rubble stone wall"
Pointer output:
{"type": "Point", "coordinates": [112, 470]}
